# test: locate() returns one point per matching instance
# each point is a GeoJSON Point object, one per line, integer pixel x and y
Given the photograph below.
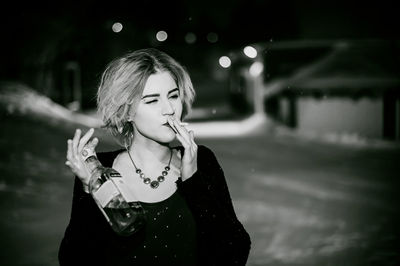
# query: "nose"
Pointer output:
{"type": "Point", "coordinates": [167, 108]}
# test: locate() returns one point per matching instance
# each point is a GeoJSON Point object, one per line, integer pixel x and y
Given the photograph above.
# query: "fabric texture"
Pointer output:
{"type": "Point", "coordinates": [221, 238]}
{"type": "Point", "coordinates": [169, 237]}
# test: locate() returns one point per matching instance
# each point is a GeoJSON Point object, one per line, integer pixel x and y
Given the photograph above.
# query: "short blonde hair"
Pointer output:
{"type": "Point", "coordinates": [122, 83]}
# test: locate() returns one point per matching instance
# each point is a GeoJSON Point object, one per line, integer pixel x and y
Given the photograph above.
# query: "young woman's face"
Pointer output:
{"type": "Point", "coordinates": [160, 99]}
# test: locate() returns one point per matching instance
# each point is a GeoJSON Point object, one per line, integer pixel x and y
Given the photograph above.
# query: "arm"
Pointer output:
{"type": "Point", "coordinates": [208, 196]}
{"type": "Point", "coordinates": [80, 236]}
{"type": "Point", "coordinates": [89, 239]}
{"type": "Point", "coordinates": [80, 244]}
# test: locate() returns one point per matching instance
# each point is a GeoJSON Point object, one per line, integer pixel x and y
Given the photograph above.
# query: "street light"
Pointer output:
{"type": "Point", "coordinates": [250, 51]}
{"type": "Point", "coordinates": [256, 69]}
{"type": "Point", "coordinates": [225, 61]}
{"type": "Point", "coordinates": [117, 27]}
{"type": "Point", "coordinates": [161, 36]}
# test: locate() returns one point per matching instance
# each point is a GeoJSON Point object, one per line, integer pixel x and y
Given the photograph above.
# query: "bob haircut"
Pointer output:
{"type": "Point", "coordinates": [122, 83]}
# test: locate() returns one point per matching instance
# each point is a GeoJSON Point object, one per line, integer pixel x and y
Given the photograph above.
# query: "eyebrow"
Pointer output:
{"type": "Point", "coordinates": [157, 94]}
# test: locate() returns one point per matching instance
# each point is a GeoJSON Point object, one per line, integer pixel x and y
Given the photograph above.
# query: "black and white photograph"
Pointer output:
{"type": "Point", "coordinates": [200, 133]}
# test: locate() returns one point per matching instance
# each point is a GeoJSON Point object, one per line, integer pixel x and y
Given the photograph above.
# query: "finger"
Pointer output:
{"type": "Point", "coordinates": [85, 139]}
{"type": "Point", "coordinates": [172, 125]}
{"type": "Point", "coordinates": [184, 142]}
{"type": "Point", "coordinates": [194, 149]}
{"type": "Point", "coordinates": [181, 134]}
{"type": "Point", "coordinates": [191, 134]}
{"type": "Point", "coordinates": [90, 147]}
{"type": "Point", "coordinates": [93, 143]}
{"type": "Point", "coordinates": [69, 164]}
{"type": "Point", "coordinates": [185, 137]}
{"type": "Point", "coordinates": [75, 142]}
{"type": "Point", "coordinates": [71, 167]}
{"type": "Point", "coordinates": [181, 130]}
{"type": "Point", "coordinates": [69, 151]}
{"type": "Point", "coordinates": [188, 137]}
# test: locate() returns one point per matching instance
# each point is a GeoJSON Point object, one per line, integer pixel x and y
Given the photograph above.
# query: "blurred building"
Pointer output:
{"type": "Point", "coordinates": [350, 87]}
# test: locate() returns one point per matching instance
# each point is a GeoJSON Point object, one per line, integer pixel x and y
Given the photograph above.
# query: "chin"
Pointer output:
{"type": "Point", "coordinates": [166, 138]}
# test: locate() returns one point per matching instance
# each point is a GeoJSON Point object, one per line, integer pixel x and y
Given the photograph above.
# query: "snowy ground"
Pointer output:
{"type": "Point", "coordinates": [303, 201]}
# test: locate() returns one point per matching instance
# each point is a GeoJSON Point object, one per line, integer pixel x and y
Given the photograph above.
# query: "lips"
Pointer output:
{"type": "Point", "coordinates": [169, 126]}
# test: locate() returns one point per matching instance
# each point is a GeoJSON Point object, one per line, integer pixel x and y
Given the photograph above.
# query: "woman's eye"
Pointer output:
{"type": "Point", "coordinates": [153, 101]}
{"type": "Point", "coordinates": [175, 96]}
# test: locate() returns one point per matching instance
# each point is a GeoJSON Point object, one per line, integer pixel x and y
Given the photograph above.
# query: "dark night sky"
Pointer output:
{"type": "Point", "coordinates": [83, 27]}
{"type": "Point", "coordinates": [236, 21]}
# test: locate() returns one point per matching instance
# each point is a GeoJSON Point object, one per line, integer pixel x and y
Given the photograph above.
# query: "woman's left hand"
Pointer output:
{"type": "Point", "coordinates": [189, 160]}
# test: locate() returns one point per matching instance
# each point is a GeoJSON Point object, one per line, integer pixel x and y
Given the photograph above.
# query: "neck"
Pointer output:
{"type": "Point", "coordinates": [147, 151]}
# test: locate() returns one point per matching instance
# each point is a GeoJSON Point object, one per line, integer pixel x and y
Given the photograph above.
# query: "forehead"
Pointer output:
{"type": "Point", "coordinates": [159, 82]}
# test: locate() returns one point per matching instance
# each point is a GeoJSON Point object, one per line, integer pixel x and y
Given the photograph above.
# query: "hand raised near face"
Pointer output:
{"type": "Point", "coordinates": [76, 155]}
{"type": "Point", "coordinates": [186, 138]}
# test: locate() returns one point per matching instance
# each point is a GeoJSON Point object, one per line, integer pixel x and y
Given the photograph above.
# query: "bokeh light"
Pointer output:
{"type": "Point", "coordinates": [256, 69]}
{"type": "Point", "coordinates": [161, 36]}
{"type": "Point", "coordinates": [250, 51]}
{"type": "Point", "coordinates": [190, 38]}
{"type": "Point", "coordinates": [225, 61]}
{"type": "Point", "coordinates": [117, 27]}
{"type": "Point", "coordinates": [212, 37]}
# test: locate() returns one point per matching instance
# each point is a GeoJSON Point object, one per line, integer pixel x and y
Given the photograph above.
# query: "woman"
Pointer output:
{"type": "Point", "coordinates": [142, 98]}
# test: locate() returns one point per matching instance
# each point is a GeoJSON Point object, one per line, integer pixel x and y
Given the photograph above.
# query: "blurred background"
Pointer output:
{"type": "Point", "coordinates": [299, 100]}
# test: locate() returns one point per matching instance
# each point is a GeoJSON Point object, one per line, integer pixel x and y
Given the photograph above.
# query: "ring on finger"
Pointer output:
{"type": "Point", "coordinates": [85, 152]}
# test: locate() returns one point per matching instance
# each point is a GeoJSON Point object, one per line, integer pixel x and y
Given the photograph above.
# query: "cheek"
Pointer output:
{"type": "Point", "coordinates": [178, 108]}
{"type": "Point", "coordinates": [143, 116]}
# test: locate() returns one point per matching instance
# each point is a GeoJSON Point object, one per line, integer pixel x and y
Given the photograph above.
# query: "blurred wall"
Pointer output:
{"type": "Point", "coordinates": [341, 115]}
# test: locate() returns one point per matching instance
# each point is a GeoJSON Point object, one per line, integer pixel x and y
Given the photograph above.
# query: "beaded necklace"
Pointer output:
{"type": "Point", "coordinates": [153, 183]}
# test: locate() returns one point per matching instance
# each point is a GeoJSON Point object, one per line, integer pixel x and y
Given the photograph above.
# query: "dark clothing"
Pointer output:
{"type": "Point", "coordinates": [220, 237]}
{"type": "Point", "coordinates": [170, 235]}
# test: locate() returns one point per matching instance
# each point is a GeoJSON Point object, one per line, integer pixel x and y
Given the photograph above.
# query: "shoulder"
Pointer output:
{"type": "Point", "coordinates": [205, 152]}
{"type": "Point", "coordinates": [205, 156]}
{"type": "Point", "coordinates": [204, 149]}
{"type": "Point", "coordinates": [206, 159]}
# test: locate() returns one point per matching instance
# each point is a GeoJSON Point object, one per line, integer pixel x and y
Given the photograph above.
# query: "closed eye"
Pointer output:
{"type": "Point", "coordinates": [153, 101]}
{"type": "Point", "coordinates": [176, 96]}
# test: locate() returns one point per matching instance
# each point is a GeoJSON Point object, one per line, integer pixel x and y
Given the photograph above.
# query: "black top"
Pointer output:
{"type": "Point", "coordinates": [203, 201]}
{"type": "Point", "coordinates": [170, 235]}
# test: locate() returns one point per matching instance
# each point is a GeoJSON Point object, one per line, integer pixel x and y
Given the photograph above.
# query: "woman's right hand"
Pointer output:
{"type": "Point", "coordinates": [75, 159]}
